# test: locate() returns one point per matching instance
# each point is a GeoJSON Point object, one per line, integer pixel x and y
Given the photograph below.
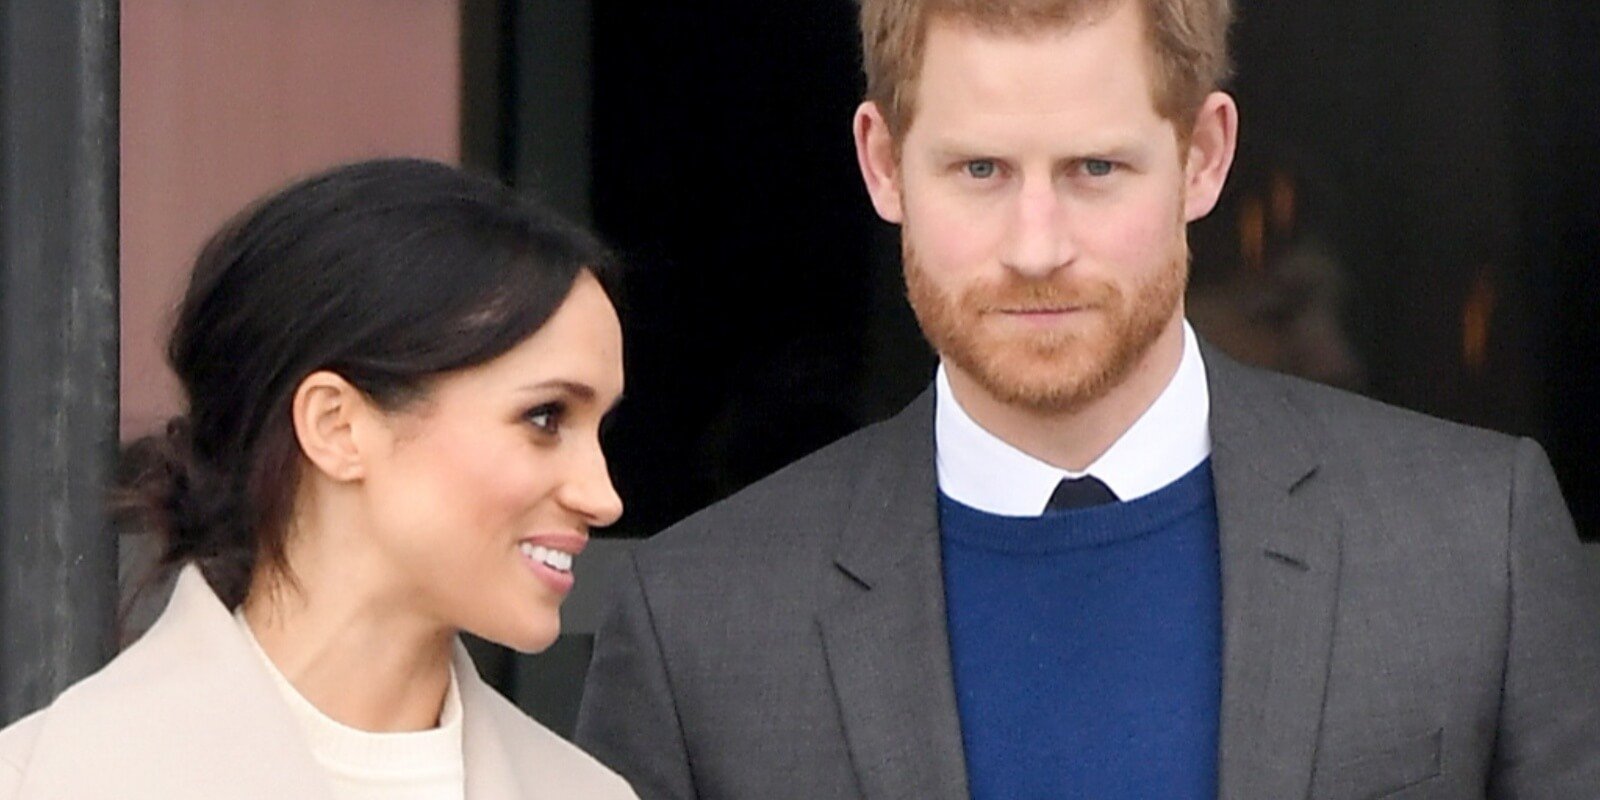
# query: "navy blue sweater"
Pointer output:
{"type": "Point", "coordinates": [1086, 646]}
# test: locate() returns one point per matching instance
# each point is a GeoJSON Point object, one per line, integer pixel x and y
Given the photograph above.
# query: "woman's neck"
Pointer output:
{"type": "Point", "coordinates": [361, 658]}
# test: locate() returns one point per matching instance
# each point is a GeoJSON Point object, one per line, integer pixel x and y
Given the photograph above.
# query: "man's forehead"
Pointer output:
{"type": "Point", "coordinates": [1023, 19]}
{"type": "Point", "coordinates": [1056, 28]}
{"type": "Point", "coordinates": [1087, 69]}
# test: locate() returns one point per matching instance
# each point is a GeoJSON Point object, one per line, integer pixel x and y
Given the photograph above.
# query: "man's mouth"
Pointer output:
{"type": "Point", "coordinates": [1042, 311]}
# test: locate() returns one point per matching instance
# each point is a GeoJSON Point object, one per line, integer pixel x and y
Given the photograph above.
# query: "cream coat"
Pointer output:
{"type": "Point", "coordinates": [189, 711]}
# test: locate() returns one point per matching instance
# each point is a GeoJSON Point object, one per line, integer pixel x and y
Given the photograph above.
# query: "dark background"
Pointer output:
{"type": "Point", "coordinates": [1415, 214]}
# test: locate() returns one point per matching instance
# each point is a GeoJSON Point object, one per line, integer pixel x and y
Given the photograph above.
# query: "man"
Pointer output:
{"type": "Point", "coordinates": [1098, 559]}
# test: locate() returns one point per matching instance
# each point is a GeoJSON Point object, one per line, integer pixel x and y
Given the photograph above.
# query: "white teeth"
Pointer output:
{"type": "Point", "coordinates": [554, 559]}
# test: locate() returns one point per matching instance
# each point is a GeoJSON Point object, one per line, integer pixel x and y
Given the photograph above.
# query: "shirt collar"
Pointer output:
{"type": "Point", "coordinates": [1172, 437]}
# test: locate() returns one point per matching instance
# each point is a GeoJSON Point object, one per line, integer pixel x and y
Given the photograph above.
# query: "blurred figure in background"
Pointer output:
{"type": "Point", "coordinates": [1274, 294]}
{"type": "Point", "coordinates": [395, 375]}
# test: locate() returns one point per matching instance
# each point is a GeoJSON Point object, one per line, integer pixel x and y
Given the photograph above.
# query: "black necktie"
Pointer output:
{"type": "Point", "coordinates": [1080, 493]}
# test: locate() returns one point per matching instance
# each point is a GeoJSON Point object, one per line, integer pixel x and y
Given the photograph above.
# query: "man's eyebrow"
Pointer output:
{"type": "Point", "coordinates": [1111, 148]}
{"type": "Point", "coordinates": [959, 149]}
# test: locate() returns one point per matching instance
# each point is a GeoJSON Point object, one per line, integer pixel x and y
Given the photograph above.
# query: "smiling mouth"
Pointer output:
{"type": "Point", "coordinates": [558, 560]}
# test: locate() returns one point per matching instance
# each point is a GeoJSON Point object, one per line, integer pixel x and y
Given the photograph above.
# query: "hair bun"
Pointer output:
{"type": "Point", "coordinates": [164, 488]}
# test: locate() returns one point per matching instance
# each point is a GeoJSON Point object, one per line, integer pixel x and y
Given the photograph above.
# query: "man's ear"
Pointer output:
{"type": "Point", "coordinates": [329, 415]}
{"type": "Point", "coordinates": [876, 156]}
{"type": "Point", "coordinates": [1210, 156]}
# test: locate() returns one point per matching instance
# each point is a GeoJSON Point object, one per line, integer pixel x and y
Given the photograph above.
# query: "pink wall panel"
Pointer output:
{"type": "Point", "coordinates": [223, 100]}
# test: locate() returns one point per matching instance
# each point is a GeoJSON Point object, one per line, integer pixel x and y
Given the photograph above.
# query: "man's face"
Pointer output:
{"type": "Point", "coordinates": [1042, 200]}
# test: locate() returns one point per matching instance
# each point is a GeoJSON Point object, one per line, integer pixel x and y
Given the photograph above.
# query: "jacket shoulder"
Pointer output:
{"type": "Point", "coordinates": [1353, 420]}
{"type": "Point", "coordinates": [1404, 482]}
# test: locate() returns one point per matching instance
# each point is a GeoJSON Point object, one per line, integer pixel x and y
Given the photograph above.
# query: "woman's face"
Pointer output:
{"type": "Point", "coordinates": [492, 483]}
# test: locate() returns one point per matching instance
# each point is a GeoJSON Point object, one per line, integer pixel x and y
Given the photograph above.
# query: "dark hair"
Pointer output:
{"type": "Point", "coordinates": [387, 272]}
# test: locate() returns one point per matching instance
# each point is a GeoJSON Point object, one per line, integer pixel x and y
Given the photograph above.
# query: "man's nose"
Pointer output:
{"type": "Point", "coordinates": [1039, 242]}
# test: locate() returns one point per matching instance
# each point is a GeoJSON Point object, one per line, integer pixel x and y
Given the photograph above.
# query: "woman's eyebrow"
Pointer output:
{"type": "Point", "coordinates": [582, 391]}
{"type": "Point", "coordinates": [579, 391]}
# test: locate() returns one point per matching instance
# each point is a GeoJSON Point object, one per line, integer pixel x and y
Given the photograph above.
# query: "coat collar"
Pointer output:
{"type": "Point", "coordinates": [186, 711]}
{"type": "Point", "coordinates": [888, 647]}
{"type": "Point", "coordinates": [189, 710]}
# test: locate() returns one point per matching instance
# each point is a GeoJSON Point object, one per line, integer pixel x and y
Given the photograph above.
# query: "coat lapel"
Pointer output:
{"type": "Point", "coordinates": [886, 643]}
{"type": "Point", "coordinates": [492, 772]}
{"type": "Point", "coordinates": [509, 756]}
{"type": "Point", "coordinates": [1280, 572]}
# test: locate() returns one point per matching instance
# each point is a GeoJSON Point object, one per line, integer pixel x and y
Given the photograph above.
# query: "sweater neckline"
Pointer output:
{"type": "Point", "coordinates": [353, 754]}
{"type": "Point", "coordinates": [1096, 526]}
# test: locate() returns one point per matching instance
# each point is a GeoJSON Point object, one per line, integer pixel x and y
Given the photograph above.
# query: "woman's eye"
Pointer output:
{"type": "Point", "coordinates": [1098, 168]}
{"type": "Point", "coordinates": [981, 169]}
{"type": "Point", "coordinates": [547, 418]}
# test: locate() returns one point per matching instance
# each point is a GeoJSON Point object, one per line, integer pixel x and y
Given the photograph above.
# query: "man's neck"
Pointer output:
{"type": "Point", "coordinates": [1074, 439]}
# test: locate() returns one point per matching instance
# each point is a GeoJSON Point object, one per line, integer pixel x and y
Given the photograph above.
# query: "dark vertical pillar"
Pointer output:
{"type": "Point", "coordinates": [488, 101]}
{"type": "Point", "coordinates": [552, 71]}
{"type": "Point", "coordinates": [58, 343]}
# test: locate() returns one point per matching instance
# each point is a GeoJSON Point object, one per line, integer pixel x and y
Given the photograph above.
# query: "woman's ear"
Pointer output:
{"type": "Point", "coordinates": [329, 414]}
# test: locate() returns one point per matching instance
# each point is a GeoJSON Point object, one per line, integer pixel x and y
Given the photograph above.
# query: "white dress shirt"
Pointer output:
{"type": "Point", "coordinates": [1172, 437]}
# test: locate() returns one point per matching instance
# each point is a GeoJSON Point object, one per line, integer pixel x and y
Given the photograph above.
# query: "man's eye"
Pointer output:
{"type": "Point", "coordinates": [1098, 168]}
{"type": "Point", "coordinates": [981, 169]}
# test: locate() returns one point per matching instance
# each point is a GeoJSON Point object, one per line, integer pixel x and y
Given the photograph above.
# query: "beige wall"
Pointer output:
{"type": "Point", "coordinates": [223, 100]}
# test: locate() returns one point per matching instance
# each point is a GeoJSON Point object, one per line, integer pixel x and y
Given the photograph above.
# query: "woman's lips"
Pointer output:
{"type": "Point", "coordinates": [550, 557]}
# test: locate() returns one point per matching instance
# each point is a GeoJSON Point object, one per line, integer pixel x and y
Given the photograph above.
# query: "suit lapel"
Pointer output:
{"type": "Point", "coordinates": [887, 647]}
{"type": "Point", "coordinates": [1280, 572]}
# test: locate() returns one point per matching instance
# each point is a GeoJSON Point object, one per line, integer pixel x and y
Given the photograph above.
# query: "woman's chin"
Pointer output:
{"type": "Point", "coordinates": [534, 638]}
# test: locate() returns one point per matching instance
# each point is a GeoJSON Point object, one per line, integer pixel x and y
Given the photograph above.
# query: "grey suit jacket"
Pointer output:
{"type": "Point", "coordinates": [1408, 613]}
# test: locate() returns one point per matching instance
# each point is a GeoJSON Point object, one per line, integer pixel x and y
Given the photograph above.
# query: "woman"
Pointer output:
{"type": "Point", "coordinates": [396, 375]}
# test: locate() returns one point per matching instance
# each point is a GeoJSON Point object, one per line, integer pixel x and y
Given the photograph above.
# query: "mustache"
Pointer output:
{"type": "Point", "coordinates": [1017, 294]}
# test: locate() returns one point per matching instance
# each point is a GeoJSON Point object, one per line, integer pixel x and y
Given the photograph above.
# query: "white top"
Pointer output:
{"type": "Point", "coordinates": [1172, 437]}
{"type": "Point", "coordinates": [361, 765]}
